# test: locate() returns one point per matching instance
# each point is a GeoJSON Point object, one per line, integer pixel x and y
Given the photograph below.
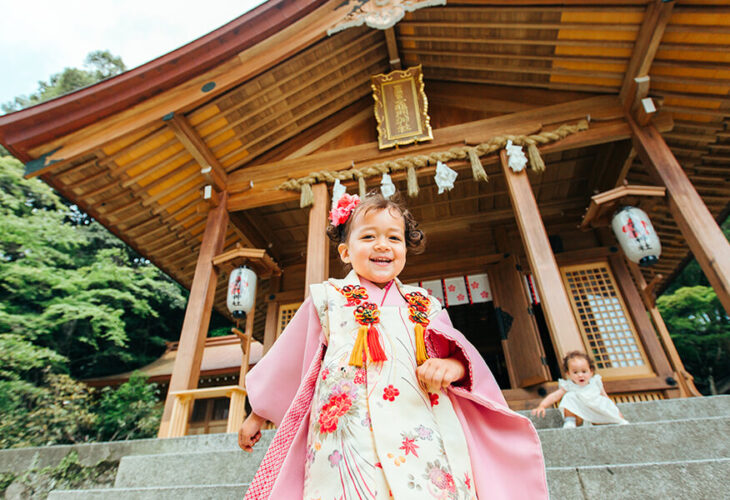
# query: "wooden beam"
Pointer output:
{"type": "Point", "coordinates": [318, 244]}
{"type": "Point", "coordinates": [186, 370]}
{"type": "Point", "coordinates": [564, 331]}
{"type": "Point", "coordinates": [647, 42]}
{"type": "Point", "coordinates": [210, 167]}
{"type": "Point", "coordinates": [268, 176]}
{"type": "Point", "coordinates": [635, 305]}
{"type": "Point", "coordinates": [392, 44]}
{"type": "Point", "coordinates": [698, 226]}
{"type": "Point", "coordinates": [686, 381]}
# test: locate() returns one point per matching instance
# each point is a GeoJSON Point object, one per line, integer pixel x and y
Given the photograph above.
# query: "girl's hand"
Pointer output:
{"type": "Point", "coordinates": [539, 411]}
{"type": "Point", "coordinates": [250, 432]}
{"type": "Point", "coordinates": [436, 373]}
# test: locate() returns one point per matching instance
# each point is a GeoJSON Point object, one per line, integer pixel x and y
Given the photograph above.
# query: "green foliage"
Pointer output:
{"type": "Point", "coordinates": [99, 65]}
{"type": "Point", "coordinates": [698, 324]}
{"type": "Point", "coordinates": [700, 329]}
{"type": "Point", "coordinates": [132, 411]}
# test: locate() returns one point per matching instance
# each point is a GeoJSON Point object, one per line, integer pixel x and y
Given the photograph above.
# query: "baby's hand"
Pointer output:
{"type": "Point", "coordinates": [250, 432]}
{"type": "Point", "coordinates": [436, 373]}
{"type": "Point", "coordinates": [539, 411]}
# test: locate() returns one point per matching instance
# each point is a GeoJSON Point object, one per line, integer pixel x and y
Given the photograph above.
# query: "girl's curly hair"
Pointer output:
{"type": "Point", "coordinates": [374, 200]}
{"type": "Point", "coordinates": [578, 354]}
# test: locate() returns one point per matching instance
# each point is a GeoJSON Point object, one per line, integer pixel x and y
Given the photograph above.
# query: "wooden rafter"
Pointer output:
{"type": "Point", "coordinates": [392, 44]}
{"type": "Point", "coordinates": [267, 176]}
{"type": "Point", "coordinates": [195, 145]}
{"type": "Point", "coordinates": [647, 43]}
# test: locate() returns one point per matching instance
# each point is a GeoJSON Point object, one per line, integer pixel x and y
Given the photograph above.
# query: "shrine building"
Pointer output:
{"type": "Point", "coordinates": [516, 131]}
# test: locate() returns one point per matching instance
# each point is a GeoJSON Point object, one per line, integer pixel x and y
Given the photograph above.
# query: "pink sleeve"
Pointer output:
{"type": "Point", "coordinates": [444, 341]}
{"type": "Point", "coordinates": [273, 382]}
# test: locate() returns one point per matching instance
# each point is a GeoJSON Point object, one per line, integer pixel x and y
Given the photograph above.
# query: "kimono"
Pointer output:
{"type": "Point", "coordinates": [504, 450]}
{"type": "Point", "coordinates": [588, 402]}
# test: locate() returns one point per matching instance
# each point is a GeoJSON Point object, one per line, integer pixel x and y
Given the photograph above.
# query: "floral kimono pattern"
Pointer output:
{"type": "Point", "coordinates": [374, 432]}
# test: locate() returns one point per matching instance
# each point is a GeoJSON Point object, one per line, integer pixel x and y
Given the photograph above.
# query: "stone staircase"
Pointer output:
{"type": "Point", "coordinates": [672, 449]}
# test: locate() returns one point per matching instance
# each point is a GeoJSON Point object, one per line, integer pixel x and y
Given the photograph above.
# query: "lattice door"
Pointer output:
{"type": "Point", "coordinates": [608, 332]}
{"type": "Point", "coordinates": [286, 313]}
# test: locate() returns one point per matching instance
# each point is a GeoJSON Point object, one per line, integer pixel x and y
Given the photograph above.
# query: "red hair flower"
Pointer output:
{"type": "Point", "coordinates": [343, 208]}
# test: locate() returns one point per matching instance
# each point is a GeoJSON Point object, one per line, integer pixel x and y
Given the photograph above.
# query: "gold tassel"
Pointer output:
{"type": "Point", "coordinates": [536, 162]}
{"type": "Point", "coordinates": [362, 187]}
{"type": "Point", "coordinates": [421, 354]}
{"type": "Point", "coordinates": [360, 345]}
{"type": "Point", "coordinates": [412, 182]}
{"type": "Point", "coordinates": [477, 169]}
{"type": "Point", "coordinates": [307, 197]}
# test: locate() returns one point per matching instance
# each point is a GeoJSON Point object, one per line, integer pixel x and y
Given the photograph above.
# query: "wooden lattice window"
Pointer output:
{"type": "Point", "coordinates": [286, 313]}
{"type": "Point", "coordinates": [608, 333]}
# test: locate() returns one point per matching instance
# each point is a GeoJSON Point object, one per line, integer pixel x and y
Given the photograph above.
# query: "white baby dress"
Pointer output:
{"type": "Point", "coordinates": [588, 402]}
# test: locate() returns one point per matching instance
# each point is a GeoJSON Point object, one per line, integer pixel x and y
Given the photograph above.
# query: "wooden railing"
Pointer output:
{"type": "Point", "coordinates": [184, 400]}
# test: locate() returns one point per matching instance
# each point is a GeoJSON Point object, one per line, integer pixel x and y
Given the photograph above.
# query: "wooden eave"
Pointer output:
{"type": "Point", "coordinates": [292, 104]}
{"type": "Point", "coordinates": [26, 129]}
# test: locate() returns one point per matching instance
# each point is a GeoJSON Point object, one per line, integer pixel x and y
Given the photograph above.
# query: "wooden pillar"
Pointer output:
{"type": "Point", "coordinates": [652, 347]}
{"type": "Point", "coordinates": [704, 237]}
{"type": "Point", "coordinates": [318, 248]}
{"type": "Point", "coordinates": [564, 331]}
{"type": "Point", "coordinates": [186, 370]}
{"type": "Point", "coordinates": [272, 317]}
{"type": "Point", "coordinates": [684, 378]}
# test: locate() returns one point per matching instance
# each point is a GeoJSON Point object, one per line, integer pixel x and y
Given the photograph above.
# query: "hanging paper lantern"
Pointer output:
{"type": "Point", "coordinates": [444, 177]}
{"type": "Point", "coordinates": [241, 292]}
{"type": "Point", "coordinates": [386, 186]}
{"type": "Point", "coordinates": [636, 235]}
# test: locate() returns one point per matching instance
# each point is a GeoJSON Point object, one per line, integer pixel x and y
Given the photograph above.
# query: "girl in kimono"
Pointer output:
{"type": "Point", "coordinates": [375, 394]}
{"type": "Point", "coordinates": [583, 400]}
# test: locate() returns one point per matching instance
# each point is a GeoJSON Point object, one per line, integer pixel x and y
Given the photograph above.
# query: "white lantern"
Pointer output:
{"type": "Point", "coordinates": [636, 235]}
{"type": "Point", "coordinates": [241, 292]}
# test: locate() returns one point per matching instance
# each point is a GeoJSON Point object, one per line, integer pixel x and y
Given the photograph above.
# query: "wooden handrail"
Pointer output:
{"type": "Point", "coordinates": [183, 400]}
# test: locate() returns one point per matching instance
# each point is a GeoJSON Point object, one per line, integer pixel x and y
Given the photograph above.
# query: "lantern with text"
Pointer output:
{"type": "Point", "coordinates": [241, 292]}
{"type": "Point", "coordinates": [636, 235]}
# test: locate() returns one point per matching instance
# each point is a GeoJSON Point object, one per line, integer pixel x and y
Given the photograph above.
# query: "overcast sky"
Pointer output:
{"type": "Point", "coordinates": [41, 37]}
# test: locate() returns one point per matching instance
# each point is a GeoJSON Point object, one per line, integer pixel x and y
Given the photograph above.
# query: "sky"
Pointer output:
{"type": "Point", "coordinates": [42, 37]}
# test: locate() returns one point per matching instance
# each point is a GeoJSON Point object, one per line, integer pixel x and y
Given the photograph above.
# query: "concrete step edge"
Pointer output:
{"type": "Point", "coordinates": [156, 488]}
{"type": "Point", "coordinates": [641, 464]}
{"type": "Point", "coordinates": [698, 420]}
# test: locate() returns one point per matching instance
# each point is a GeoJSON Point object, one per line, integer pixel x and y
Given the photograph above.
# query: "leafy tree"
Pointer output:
{"type": "Point", "coordinates": [99, 65]}
{"type": "Point", "coordinates": [132, 411]}
{"type": "Point", "coordinates": [699, 325]}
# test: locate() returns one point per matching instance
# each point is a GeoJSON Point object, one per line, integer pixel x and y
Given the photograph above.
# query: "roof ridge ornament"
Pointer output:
{"type": "Point", "coordinates": [379, 14]}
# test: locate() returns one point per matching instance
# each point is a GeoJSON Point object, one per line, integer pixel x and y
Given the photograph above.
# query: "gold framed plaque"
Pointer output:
{"type": "Point", "coordinates": [401, 108]}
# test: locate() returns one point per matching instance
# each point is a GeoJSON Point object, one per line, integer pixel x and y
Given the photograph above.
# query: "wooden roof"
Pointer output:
{"type": "Point", "coordinates": [271, 93]}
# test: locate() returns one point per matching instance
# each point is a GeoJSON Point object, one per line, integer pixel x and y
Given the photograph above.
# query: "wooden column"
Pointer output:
{"type": "Point", "coordinates": [186, 370]}
{"type": "Point", "coordinates": [318, 247]}
{"type": "Point", "coordinates": [272, 316]}
{"type": "Point", "coordinates": [564, 331]}
{"type": "Point", "coordinates": [652, 347]}
{"type": "Point", "coordinates": [704, 237]}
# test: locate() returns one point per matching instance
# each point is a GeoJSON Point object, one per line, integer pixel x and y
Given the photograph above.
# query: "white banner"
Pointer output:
{"type": "Point", "coordinates": [456, 293]}
{"type": "Point", "coordinates": [478, 288]}
{"type": "Point", "coordinates": [435, 288]}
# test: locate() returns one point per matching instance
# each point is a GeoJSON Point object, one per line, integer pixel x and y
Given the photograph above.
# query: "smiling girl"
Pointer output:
{"type": "Point", "coordinates": [375, 394]}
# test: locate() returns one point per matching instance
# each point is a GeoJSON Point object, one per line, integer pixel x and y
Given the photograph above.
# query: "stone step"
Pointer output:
{"type": "Point", "coordinates": [20, 460]}
{"type": "Point", "coordinates": [651, 411]}
{"type": "Point", "coordinates": [212, 492]}
{"type": "Point", "coordinates": [662, 441]}
{"type": "Point", "coordinates": [692, 439]}
{"type": "Point", "coordinates": [677, 480]}
{"type": "Point", "coordinates": [681, 480]}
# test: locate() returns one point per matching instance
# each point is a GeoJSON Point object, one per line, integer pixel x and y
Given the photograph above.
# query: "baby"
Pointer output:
{"type": "Point", "coordinates": [582, 397]}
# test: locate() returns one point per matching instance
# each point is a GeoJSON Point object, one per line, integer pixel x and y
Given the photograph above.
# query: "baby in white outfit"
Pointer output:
{"type": "Point", "coordinates": [583, 400]}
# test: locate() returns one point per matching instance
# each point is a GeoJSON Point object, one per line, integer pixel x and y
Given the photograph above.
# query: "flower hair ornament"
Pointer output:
{"type": "Point", "coordinates": [342, 209]}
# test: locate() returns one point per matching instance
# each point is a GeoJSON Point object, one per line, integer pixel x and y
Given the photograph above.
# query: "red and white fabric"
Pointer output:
{"type": "Point", "coordinates": [456, 293]}
{"type": "Point", "coordinates": [478, 288]}
{"type": "Point", "coordinates": [435, 289]}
